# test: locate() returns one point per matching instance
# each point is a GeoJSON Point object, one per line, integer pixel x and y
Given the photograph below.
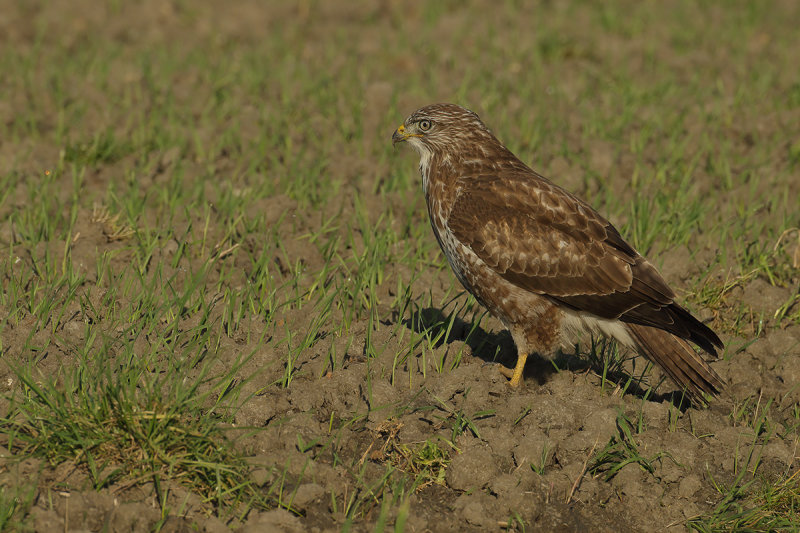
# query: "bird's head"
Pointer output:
{"type": "Point", "coordinates": [435, 129]}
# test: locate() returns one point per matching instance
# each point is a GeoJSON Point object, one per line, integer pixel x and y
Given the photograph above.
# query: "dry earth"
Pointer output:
{"type": "Point", "coordinates": [334, 431]}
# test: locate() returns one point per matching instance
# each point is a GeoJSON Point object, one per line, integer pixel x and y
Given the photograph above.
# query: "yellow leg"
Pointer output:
{"type": "Point", "coordinates": [515, 376]}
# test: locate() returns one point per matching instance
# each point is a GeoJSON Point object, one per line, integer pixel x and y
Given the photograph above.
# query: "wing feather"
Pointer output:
{"type": "Point", "coordinates": [542, 238]}
{"type": "Point", "coordinates": [529, 231]}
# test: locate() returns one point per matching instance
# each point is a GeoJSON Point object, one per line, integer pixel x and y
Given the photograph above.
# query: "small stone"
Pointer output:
{"type": "Point", "coordinates": [275, 520]}
{"type": "Point", "coordinates": [306, 494]}
{"type": "Point", "coordinates": [690, 510]}
{"type": "Point", "coordinates": [656, 415]}
{"type": "Point", "coordinates": [212, 524]}
{"type": "Point", "coordinates": [764, 298]}
{"type": "Point", "coordinates": [474, 467]}
{"type": "Point", "coordinates": [779, 451]}
{"type": "Point", "coordinates": [629, 481]}
{"type": "Point", "coordinates": [534, 448]}
{"type": "Point", "coordinates": [473, 512]}
{"type": "Point", "coordinates": [601, 424]}
{"type": "Point", "coordinates": [505, 484]}
{"type": "Point", "coordinates": [261, 476]}
{"type": "Point", "coordinates": [689, 485]}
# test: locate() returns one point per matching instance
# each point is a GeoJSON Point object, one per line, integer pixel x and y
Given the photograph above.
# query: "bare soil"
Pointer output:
{"type": "Point", "coordinates": [558, 420]}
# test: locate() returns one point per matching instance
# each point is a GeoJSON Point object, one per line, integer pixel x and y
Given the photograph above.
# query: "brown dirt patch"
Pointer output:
{"type": "Point", "coordinates": [362, 402]}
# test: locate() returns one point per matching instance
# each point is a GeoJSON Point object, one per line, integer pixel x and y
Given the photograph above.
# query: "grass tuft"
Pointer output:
{"type": "Point", "coordinates": [772, 506]}
{"type": "Point", "coordinates": [125, 432]}
{"type": "Point", "coordinates": [621, 451]}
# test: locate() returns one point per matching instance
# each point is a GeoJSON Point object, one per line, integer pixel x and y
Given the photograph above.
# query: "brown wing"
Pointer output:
{"type": "Point", "coordinates": [545, 240]}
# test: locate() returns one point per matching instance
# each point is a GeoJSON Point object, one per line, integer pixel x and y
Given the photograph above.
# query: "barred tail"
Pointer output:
{"type": "Point", "coordinates": [679, 360]}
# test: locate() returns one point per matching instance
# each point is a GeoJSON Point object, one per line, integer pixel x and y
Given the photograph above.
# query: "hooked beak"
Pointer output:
{"type": "Point", "coordinates": [399, 135]}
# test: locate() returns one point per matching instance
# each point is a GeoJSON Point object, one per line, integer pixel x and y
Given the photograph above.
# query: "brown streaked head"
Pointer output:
{"type": "Point", "coordinates": [435, 127]}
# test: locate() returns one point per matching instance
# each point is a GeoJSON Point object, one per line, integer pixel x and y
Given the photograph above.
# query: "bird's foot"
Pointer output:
{"type": "Point", "coordinates": [507, 372]}
{"type": "Point", "coordinates": [514, 375]}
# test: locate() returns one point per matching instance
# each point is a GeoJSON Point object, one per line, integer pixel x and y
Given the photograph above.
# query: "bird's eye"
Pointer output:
{"type": "Point", "coordinates": [425, 125]}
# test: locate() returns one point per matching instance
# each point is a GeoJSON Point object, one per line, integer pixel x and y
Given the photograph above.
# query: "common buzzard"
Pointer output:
{"type": "Point", "coordinates": [540, 259]}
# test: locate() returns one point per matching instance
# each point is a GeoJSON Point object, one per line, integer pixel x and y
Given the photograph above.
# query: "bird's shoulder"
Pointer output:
{"type": "Point", "coordinates": [539, 236]}
{"type": "Point", "coordinates": [528, 196]}
{"type": "Point", "coordinates": [524, 202]}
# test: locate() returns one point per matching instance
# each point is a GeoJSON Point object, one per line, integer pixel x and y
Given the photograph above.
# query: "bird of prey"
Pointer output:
{"type": "Point", "coordinates": [540, 259]}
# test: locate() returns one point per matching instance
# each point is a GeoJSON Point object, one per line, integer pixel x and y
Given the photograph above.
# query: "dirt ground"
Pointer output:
{"type": "Point", "coordinates": [516, 459]}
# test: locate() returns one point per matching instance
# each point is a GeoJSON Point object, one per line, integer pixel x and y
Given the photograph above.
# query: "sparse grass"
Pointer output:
{"type": "Point", "coordinates": [196, 220]}
{"type": "Point", "coordinates": [426, 461]}
{"type": "Point", "coordinates": [622, 450]}
{"type": "Point", "coordinates": [459, 421]}
{"type": "Point", "coordinates": [755, 506]}
{"type": "Point", "coordinates": [15, 502]}
{"type": "Point", "coordinates": [540, 465]}
{"type": "Point", "coordinates": [137, 425]}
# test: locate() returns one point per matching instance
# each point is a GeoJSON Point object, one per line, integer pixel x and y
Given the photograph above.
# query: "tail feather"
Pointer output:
{"type": "Point", "coordinates": [679, 360]}
{"type": "Point", "coordinates": [693, 330]}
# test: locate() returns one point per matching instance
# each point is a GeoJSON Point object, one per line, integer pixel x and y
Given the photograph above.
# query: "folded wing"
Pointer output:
{"type": "Point", "coordinates": [541, 238]}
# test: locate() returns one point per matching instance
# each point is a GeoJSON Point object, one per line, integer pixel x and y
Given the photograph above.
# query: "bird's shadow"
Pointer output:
{"type": "Point", "coordinates": [499, 348]}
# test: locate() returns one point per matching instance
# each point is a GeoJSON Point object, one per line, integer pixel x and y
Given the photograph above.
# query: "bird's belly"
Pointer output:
{"type": "Point", "coordinates": [523, 313]}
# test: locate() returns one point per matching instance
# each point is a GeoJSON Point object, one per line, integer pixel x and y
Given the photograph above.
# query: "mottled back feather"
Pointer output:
{"type": "Point", "coordinates": [542, 238]}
